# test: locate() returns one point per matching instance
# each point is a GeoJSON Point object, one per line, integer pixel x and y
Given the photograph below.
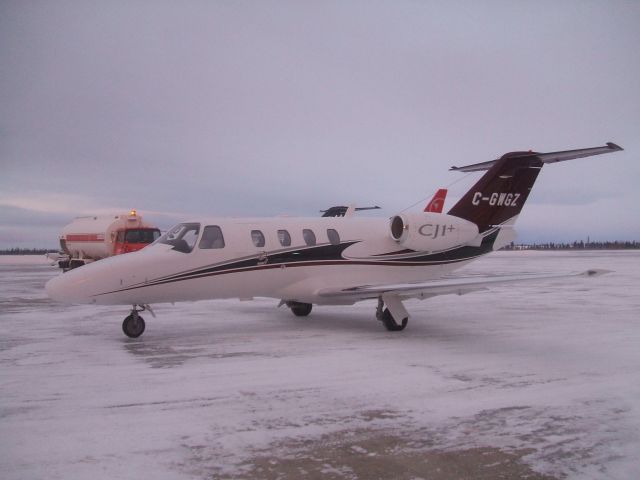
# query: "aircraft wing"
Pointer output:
{"type": "Point", "coordinates": [552, 157]}
{"type": "Point", "coordinates": [445, 286]}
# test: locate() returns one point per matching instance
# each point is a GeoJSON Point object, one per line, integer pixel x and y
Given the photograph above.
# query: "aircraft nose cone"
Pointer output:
{"type": "Point", "coordinates": [68, 288]}
{"type": "Point", "coordinates": [104, 281]}
{"type": "Point", "coordinates": [52, 287]}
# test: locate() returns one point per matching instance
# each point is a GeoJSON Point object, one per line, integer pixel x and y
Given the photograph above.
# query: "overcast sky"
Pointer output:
{"type": "Point", "coordinates": [262, 108]}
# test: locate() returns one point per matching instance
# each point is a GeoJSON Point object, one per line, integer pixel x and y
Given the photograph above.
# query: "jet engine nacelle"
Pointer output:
{"type": "Point", "coordinates": [431, 232]}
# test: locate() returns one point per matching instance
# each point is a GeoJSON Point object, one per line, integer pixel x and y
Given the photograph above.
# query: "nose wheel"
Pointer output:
{"type": "Point", "coordinates": [133, 325]}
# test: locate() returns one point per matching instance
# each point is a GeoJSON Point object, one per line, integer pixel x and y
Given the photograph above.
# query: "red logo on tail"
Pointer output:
{"type": "Point", "coordinates": [437, 202]}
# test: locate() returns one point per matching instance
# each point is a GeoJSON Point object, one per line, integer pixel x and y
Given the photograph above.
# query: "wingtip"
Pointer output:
{"type": "Point", "coordinates": [613, 146]}
{"type": "Point", "coordinates": [596, 272]}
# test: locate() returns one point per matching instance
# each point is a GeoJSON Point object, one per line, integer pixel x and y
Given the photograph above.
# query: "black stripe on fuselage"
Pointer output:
{"type": "Point", "coordinates": [322, 255]}
{"type": "Point", "coordinates": [289, 257]}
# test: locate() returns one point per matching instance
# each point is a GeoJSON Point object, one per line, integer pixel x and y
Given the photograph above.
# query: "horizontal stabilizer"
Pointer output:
{"type": "Point", "coordinates": [552, 157]}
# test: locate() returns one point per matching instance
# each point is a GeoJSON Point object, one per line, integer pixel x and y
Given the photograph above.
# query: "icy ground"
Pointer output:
{"type": "Point", "coordinates": [229, 389]}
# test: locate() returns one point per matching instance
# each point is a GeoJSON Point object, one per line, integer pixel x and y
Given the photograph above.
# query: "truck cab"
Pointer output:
{"type": "Point", "coordinates": [91, 238]}
{"type": "Point", "coordinates": [133, 239]}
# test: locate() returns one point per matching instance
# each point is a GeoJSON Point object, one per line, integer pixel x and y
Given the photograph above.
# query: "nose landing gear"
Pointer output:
{"type": "Point", "coordinates": [133, 326]}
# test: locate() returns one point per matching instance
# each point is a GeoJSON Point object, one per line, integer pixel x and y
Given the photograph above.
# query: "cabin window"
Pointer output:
{"type": "Point", "coordinates": [182, 237]}
{"type": "Point", "coordinates": [120, 237]}
{"type": "Point", "coordinates": [309, 237]}
{"type": "Point", "coordinates": [257, 237]}
{"type": "Point", "coordinates": [334, 236]}
{"type": "Point", "coordinates": [284, 238]}
{"type": "Point", "coordinates": [211, 238]}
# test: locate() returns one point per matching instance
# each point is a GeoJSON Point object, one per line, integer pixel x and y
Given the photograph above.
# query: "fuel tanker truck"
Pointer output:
{"type": "Point", "coordinates": [87, 239]}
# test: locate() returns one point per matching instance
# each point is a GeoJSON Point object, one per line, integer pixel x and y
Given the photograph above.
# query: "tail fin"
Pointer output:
{"type": "Point", "coordinates": [437, 202]}
{"type": "Point", "coordinates": [501, 192]}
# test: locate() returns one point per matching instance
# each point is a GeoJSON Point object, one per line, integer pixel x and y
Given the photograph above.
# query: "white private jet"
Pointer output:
{"type": "Point", "coordinates": [322, 261]}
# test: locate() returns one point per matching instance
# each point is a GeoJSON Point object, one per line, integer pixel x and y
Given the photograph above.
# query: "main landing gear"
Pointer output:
{"type": "Point", "coordinates": [394, 317]}
{"type": "Point", "coordinates": [390, 311]}
{"type": "Point", "coordinates": [300, 309]}
{"type": "Point", "coordinates": [133, 325]}
{"type": "Point", "coordinates": [390, 316]}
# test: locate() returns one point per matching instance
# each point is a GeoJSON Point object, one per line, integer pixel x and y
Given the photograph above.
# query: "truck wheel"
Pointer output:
{"type": "Point", "coordinates": [133, 326]}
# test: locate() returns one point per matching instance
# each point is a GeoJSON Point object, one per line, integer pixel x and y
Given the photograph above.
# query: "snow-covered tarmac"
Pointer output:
{"type": "Point", "coordinates": [542, 378]}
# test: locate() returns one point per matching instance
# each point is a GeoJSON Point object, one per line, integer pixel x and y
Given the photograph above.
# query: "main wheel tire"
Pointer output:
{"type": "Point", "coordinates": [132, 326]}
{"type": "Point", "coordinates": [390, 323]}
{"type": "Point", "coordinates": [300, 309]}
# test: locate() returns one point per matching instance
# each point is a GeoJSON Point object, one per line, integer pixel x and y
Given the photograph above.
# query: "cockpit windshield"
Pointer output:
{"type": "Point", "coordinates": [182, 237]}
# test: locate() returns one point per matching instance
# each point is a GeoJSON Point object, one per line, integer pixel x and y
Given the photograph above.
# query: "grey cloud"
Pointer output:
{"type": "Point", "coordinates": [15, 217]}
{"type": "Point", "coordinates": [261, 108]}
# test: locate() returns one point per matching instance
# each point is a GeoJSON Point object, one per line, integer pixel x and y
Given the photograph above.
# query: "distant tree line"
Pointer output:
{"type": "Point", "coordinates": [577, 245]}
{"type": "Point", "coordinates": [27, 251]}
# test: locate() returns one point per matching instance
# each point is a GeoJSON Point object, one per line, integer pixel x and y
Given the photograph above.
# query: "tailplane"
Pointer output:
{"type": "Point", "coordinates": [498, 197]}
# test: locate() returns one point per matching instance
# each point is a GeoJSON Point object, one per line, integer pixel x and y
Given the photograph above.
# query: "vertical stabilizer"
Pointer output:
{"type": "Point", "coordinates": [499, 195]}
{"type": "Point", "coordinates": [501, 192]}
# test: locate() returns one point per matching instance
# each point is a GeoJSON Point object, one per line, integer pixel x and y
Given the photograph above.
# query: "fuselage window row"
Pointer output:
{"type": "Point", "coordinates": [213, 238]}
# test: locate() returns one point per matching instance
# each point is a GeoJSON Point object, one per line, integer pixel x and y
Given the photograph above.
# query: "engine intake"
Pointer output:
{"type": "Point", "coordinates": [397, 227]}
